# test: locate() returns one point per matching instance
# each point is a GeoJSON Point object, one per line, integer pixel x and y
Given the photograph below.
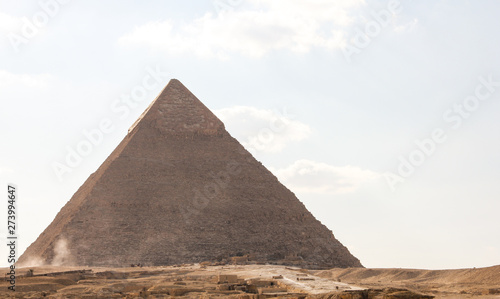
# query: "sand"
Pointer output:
{"type": "Point", "coordinates": [200, 281]}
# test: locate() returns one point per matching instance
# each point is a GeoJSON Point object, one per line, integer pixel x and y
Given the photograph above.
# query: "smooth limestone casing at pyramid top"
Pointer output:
{"type": "Point", "coordinates": [179, 189]}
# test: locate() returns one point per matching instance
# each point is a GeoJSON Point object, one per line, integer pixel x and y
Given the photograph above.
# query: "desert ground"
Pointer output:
{"type": "Point", "coordinates": [250, 281]}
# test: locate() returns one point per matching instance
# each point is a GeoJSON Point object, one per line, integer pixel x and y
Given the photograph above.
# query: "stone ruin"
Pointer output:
{"type": "Point", "coordinates": [179, 189]}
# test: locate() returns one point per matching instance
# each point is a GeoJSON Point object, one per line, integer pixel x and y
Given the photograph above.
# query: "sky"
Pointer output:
{"type": "Point", "coordinates": [381, 116]}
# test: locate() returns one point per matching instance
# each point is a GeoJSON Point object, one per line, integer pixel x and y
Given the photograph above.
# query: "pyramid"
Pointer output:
{"type": "Point", "coordinates": [179, 189]}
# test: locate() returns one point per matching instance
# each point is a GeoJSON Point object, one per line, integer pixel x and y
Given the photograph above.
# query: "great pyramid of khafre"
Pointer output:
{"type": "Point", "coordinates": [179, 189]}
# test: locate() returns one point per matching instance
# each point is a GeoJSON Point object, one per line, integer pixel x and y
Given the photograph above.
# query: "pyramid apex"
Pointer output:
{"type": "Point", "coordinates": [178, 111]}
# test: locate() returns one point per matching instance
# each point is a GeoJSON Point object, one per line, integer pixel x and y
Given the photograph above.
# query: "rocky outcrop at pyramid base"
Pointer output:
{"type": "Point", "coordinates": [230, 282]}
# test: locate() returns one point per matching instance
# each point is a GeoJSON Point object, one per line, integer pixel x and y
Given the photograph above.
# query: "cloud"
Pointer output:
{"type": "Point", "coordinates": [6, 170]}
{"type": "Point", "coordinates": [12, 81]}
{"type": "Point", "coordinates": [407, 27]}
{"type": "Point", "coordinates": [306, 176]}
{"type": "Point", "coordinates": [260, 27]}
{"type": "Point", "coordinates": [263, 130]}
{"type": "Point", "coordinates": [9, 23]}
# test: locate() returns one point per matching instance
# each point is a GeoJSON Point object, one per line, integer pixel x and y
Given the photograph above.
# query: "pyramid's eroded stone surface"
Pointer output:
{"type": "Point", "coordinates": [179, 189]}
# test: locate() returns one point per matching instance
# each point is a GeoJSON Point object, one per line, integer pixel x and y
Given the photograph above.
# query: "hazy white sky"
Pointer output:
{"type": "Point", "coordinates": [381, 116]}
